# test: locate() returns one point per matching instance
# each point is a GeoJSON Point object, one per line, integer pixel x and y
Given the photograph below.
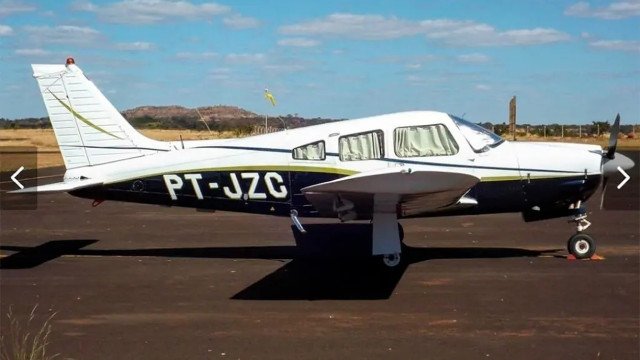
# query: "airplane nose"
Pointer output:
{"type": "Point", "coordinates": [610, 166]}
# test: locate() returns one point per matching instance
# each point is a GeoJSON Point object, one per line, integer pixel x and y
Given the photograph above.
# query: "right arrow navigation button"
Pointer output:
{"type": "Point", "coordinates": [626, 178]}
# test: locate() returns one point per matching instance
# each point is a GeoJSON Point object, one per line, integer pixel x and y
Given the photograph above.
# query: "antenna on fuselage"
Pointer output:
{"type": "Point", "coordinates": [202, 118]}
{"type": "Point", "coordinates": [181, 142]}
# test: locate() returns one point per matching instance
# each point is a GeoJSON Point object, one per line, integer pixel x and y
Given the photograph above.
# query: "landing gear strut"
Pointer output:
{"type": "Point", "coordinates": [581, 245]}
{"type": "Point", "coordinates": [387, 234]}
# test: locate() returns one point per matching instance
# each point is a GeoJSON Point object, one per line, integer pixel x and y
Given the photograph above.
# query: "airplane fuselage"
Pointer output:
{"type": "Point", "coordinates": [260, 174]}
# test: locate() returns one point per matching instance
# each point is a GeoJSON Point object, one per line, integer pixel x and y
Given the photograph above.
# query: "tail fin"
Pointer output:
{"type": "Point", "coordinates": [88, 128]}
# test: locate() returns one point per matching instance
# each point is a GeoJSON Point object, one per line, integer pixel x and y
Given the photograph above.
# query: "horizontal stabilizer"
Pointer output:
{"type": "Point", "coordinates": [60, 187]}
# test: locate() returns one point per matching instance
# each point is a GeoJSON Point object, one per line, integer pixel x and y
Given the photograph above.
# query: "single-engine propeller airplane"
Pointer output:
{"type": "Point", "coordinates": [381, 168]}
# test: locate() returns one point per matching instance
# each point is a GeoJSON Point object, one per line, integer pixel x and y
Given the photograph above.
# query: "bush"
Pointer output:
{"type": "Point", "coordinates": [21, 344]}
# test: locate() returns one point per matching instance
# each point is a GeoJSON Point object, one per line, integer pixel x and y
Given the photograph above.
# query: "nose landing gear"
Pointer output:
{"type": "Point", "coordinates": [581, 245]}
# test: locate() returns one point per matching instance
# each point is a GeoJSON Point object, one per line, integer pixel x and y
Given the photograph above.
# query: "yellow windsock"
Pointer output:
{"type": "Point", "coordinates": [268, 95]}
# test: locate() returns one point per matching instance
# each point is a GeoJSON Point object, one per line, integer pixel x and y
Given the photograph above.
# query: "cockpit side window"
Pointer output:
{"type": "Point", "coordinates": [427, 140]}
{"type": "Point", "coordinates": [362, 146]}
{"type": "Point", "coordinates": [313, 151]}
{"type": "Point", "coordinates": [479, 138]}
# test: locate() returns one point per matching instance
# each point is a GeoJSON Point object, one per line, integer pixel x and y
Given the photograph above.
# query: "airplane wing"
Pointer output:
{"type": "Point", "coordinates": [416, 191]}
{"type": "Point", "coordinates": [60, 186]}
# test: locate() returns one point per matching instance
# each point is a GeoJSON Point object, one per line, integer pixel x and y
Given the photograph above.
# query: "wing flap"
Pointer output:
{"type": "Point", "coordinates": [418, 191]}
{"type": "Point", "coordinates": [397, 181]}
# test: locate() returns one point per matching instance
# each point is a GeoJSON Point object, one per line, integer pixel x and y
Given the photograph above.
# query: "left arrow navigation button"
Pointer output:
{"type": "Point", "coordinates": [15, 175]}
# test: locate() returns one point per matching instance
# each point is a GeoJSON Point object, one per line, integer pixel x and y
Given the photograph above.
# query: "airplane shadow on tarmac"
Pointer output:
{"type": "Point", "coordinates": [329, 262]}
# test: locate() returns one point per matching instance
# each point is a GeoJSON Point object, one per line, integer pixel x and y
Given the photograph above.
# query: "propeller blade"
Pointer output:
{"type": "Point", "coordinates": [613, 138]}
{"type": "Point", "coordinates": [604, 191]}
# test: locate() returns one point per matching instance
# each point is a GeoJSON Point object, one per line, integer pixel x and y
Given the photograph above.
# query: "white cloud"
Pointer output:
{"type": "Point", "coordinates": [32, 52]}
{"type": "Point", "coordinates": [413, 66]}
{"type": "Point", "coordinates": [6, 30]}
{"type": "Point", "coordinates": [238, 21]}
{"type": "Point", "coordinates": [136, 46]}
{"type": "Point", "coordinates": [483, 87]}
{"type": "Point", "coordinates": [475, 58]}
{"type": "Point", "coordinates": [220, 74]}
{"type": "Point", "coordinates": [64, 34]}
{"type": "Point", "coordinates": [619, 45]}
{"type": "Point", "coordinates": [284, 68]}
{"type": "Point", "coordinates": [394, 59]}
{"type": "Point", "coordinates": [196, 56]}
{"type": "Point", "coordinates": [485, 35]}
{"type": "Point", "coordinates": [368, 27]}
{"type": "Point", "coordinates": [613, 11]}
{"type": "Point", "coordinates": [12, 7]}
{"type": "Point", "coordinates": [466, 33]}
{"type": "Point", "coordinates": [245, 58]}
{"type": "Point", "coordinates": [298, 42]}
{"type": "Point", "coordinates": [220, 71]}
{"type": "Point", "coordinates": [151, 11]}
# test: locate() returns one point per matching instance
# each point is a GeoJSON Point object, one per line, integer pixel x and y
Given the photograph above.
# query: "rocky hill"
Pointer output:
{"type": "Point", "coordinates": [217, 118]}
{"type": "Point", "coordinates": [218, 112]}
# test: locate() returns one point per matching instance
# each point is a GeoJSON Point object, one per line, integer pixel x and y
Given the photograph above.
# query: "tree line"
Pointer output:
{"type": "Point", "coordinates": [237, 125]}
{"type": "Point", "coordinates": [245, 126]}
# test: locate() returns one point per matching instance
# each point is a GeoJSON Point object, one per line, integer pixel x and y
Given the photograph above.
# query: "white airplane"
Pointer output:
{"type": "Point", "coordinates": [382, 168]}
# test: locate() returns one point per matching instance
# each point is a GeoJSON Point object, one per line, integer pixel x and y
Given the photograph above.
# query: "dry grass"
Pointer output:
{"type": "Point", "coordinates": [49, 155]}
{"type": "Point", "coordinates": [26, 341]}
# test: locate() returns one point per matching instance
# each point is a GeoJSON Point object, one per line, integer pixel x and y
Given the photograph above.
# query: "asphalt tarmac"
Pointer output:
{"type": "Point", "coordinates": [130, 281]}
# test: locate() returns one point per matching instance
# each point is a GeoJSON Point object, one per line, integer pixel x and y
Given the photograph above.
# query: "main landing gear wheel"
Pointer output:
{"type": "Point", "coordinates": [391, 260]}
{"type": "Point", "coordinates": [582, 246]}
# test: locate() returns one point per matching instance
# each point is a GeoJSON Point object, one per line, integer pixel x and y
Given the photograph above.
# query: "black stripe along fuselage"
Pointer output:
{"type": "Point", "coordinates": [278, 192]}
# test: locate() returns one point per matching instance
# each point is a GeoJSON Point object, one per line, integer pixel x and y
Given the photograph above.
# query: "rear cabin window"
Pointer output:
{"type": "Point", "coordinates": [427, 140]}
{"type": "Point", "coordinates": [313, 151]}
{"type": "Point", "coordinates": [362, 146]}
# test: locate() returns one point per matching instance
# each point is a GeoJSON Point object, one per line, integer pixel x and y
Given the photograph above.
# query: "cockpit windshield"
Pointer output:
{"type": "Point", "coordinates": [479, 138]}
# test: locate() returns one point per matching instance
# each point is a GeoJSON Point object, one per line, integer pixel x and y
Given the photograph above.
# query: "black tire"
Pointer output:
{"type": "Point", "coordinates": [582, 246]}
{"type": "Point", "coordinates": [396, 259]}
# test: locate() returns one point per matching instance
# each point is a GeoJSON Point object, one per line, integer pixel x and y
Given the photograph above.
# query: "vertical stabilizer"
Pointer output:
{"type": "Point", "coordinates": [88, 128]}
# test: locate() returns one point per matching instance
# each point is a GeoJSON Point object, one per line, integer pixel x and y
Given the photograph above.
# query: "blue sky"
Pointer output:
{"type": "Point", "coordinates": [566, 61]}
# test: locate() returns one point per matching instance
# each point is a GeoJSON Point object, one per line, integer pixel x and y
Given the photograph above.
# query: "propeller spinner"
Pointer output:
{"type": "Point", "coordinates": [611, 160]}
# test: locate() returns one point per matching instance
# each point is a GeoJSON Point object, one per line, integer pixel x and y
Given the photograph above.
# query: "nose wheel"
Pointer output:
{"type": "Point", "coordinates": [582, 246]}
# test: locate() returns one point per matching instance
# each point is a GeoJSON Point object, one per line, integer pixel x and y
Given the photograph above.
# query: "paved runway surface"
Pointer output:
{"type": "Point", "coordinates": [140, 282]}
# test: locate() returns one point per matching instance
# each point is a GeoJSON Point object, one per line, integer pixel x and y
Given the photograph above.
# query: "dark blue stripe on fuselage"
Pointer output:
{"type": "Point", "coordinates": [251, 148]}
{"type": "Point", "coordinates": [401, 161]}
{"type": "Point", "coordinates": [492, 196]}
